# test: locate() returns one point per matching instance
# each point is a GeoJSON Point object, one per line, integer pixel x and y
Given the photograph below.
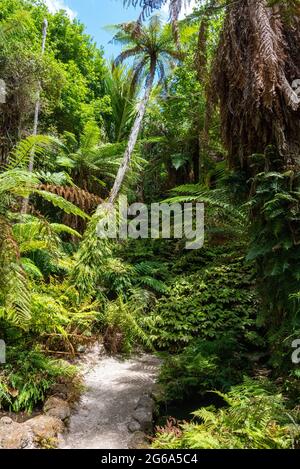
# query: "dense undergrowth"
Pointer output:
{"type": "Point", "coordinates": [223, 317]}
{"type": "Point", "coordinates": [256, 417]}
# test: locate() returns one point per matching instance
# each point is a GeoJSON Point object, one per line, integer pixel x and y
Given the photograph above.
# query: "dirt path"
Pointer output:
{"type": "Point", "coordinates": [113, 388]}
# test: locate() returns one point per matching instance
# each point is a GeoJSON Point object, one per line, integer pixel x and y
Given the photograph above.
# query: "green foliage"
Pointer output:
{"type": "Point", "coordinates": [71, 72]}
{"type": "Point", "coordinates": [126, 318]}
{"type": "Point", "coordinates": [14, 287]}
{"type": "Point", "coordinates": [91, 258]}
{"type": "Point", "coordinates": [256, 418]}
{"type": "Point", "coordinates": [123, 97]}
{"type": "Point", "coordinates": [119, 277]}
{"type": "Point", "coordinates": [204, 365]}
{"type": "Point", "coordinates": [28, 376]}
{"type": "Point", "coordinates": [220, 297]}
{"type": "Point", "coordinates": [93, 164]}
{"type": "Point", "coordinates": [23, 235]}
{"type": "Point", "coordinates": [61, 319]}
{"type": "Point", "coordinates": [274, 245]}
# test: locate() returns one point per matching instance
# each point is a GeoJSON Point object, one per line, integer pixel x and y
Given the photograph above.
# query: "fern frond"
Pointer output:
{"type": "Point", "coordinates": [60, 228]}
{"type": "Point", "coordinates": [14, 291]}
{"type": "Point", "coordinates": [31, 269]}
{"type": "Point", "coordinates": [38, 145]}
{"type": "Point", "coordinates": [62, 203]}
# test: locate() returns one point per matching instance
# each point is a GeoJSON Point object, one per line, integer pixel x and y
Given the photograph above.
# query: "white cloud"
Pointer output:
{"type": "Point", "coordinates": [56, 5]}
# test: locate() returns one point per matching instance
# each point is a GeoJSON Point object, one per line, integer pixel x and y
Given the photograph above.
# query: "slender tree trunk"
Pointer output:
{"type": "Point", "coordinates": [36, 113]}
{"type": "Point", "coordinates": [38, 100]}
{"type": "Point", "coordinates": [132, 138]}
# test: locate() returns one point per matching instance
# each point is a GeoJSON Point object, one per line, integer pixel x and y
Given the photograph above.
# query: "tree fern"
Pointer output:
{"type": "Point", "coordinates": [39, 145]}
{"type": "Point", "coordinates": [255, 418]}
{"type": "Point", "coordinates": [217, 198]}
{"type": "Point", "coordinates": [14, 296]}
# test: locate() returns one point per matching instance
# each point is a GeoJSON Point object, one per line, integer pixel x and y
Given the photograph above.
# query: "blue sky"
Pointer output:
{"type": "Point", "coordinates": [96, 15]}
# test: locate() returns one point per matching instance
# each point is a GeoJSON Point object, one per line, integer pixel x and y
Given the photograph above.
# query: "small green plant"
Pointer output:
{"type": "Point", "coordinates": [28, 376]}
{"type": "Point", "coordinates": [123, 322]}
{"type": "Point", "coordinates": [256, 418]}
{"type": "Point", "coordinates": [202, 366]}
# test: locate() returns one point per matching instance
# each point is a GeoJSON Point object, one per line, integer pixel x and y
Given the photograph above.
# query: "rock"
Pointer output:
{"type": "Point", "coordinates": [145, 402]}
{"type": "Point", "coordinates": [157, 392]}
{"type": "Point", "coordinates": [144, 417]}
{"type": "Point", "coordinates": [60, 390]}
{"type": "Point", "coordinates": [134, 426]}
{"type": "Point", "coordinates": [14, 435]}
{"type": "Point", "coordinates": [6, 421]}
{"type": "Point", "coordinates": [45, 426]}
{"type": "Point", "coordinates": [138, 441]}
{"type": "Point", "coordinates": [57, 407]}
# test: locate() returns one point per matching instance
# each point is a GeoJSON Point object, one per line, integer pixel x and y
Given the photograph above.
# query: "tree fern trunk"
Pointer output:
{"type": "Point", "coordinates": [133, 137]}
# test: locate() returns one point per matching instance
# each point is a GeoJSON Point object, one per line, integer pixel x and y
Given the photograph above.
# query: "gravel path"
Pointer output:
{"type": "Point", "coordinates": [113, 388]}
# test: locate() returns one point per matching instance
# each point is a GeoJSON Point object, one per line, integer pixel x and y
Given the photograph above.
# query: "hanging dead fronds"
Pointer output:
{"type": "Point", "coordinates": [255, 69]}
{"type": "Point", "coordinates": [83, 199]}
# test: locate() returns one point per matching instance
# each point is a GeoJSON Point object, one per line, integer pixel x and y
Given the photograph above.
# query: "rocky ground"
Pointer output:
{"type": "Point", "coordinates": [116, 407]}
{"type": "Point", "coordinates": [114, 412]}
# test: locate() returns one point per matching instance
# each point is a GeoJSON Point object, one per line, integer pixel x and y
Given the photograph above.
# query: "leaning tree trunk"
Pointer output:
{"type": "Point", "coordinates": [132, 138]}
{"type": "Point", "coordinates": [257, 64]}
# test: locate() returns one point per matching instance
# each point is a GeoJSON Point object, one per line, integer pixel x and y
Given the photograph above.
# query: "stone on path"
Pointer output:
{"type": "Point", "coordinates": [57, 407]}
{"type": "Point", "coordinates": [14, 435]}
{"type": "Point", "coordinates": [45, 426]}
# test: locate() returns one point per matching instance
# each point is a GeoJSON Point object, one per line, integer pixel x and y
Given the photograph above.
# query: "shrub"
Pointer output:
{"type": "Point", "coordinates": [256, 418]}
{"type": "Point", "coordinates": [220, 297]}
{"type": "Point", "coordinates": [202, 366]}
{"type": "Point", "coordinates": [28, 376]}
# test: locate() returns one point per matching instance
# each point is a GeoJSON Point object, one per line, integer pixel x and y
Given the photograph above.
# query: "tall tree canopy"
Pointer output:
{"type": "Point", "coordinates": [153, 51]}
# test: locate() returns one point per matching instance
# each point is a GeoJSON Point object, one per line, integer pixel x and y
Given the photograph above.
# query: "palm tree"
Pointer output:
{"type": "Point", "coordinates": [123, 99]}
{"type": "Point", "coordinates": [153, 51]}
{"type": "Point", "coordinates": [175, 7]}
